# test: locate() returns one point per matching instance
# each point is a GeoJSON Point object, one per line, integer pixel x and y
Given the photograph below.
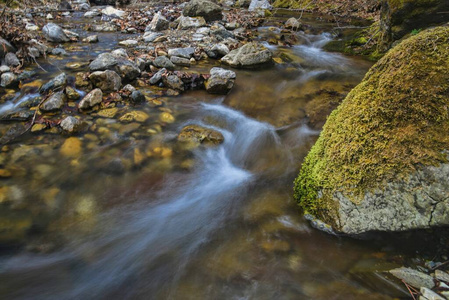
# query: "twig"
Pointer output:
{"type": "Point", "coordinates": [440, 265]}
{"type": "Point", "coordinates": [411, 289]}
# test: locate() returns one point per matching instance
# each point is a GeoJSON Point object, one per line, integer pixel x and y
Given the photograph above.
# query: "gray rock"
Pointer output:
{"type": "Point", "coordinates": [91, 39]}
{"type": "Point", "coordinates": [158, 76]}
{"type": "Point", "coordinates": [70, 124]}
{"type": "Point", "coordinates": [180, 61]}
{"type": "Point", "coordinates": [112, 12]}
{"type": "Point", "coordinates": [259, 5]}
{"type": "Point", "coordinates": [218, 51]}
{"type": "Point", "coordinates": [128, 70]}
{"type": "Point", "coordinates": [107, 81]}
{"type": "Point", "coordinates": [141, 63]}
{"type": "Point", "coordinates": [188, 22]}
{"type": "Point", "coordinates": [120, 53]}
{"type": "Point", "coordinates": [37, 48]}
{"type": "Point", "coordinates": [31, 27]}
{"type": "Point", "coordinates": [221, 33]}
{"type": "Point", "coordinates": [11, 60]}
{"type": "Point", "coordinates": [57, 82]}
{"type": "Point", "coordinates": [5, 47]}
{"type": "Point", "coordinates": [442, 276]}
{"type": "Point", "coordinates": [428, 294]}
{"type": "Point", "coordinates": [84, 6]}
{"type": "Point", "coordinates": [4, 69]}
{"type": "Point", "coordinates": [158, 23]}
{"type": "Point", "coordinates": [8, 80]}
{"type": "Point", "coordinates": [221, 81]}
{"type": "Point", "coordinates": [182, 52]}
{"type": "Point", "coordinates": [54, 102]}
{"type": "Point", "coordinates": [129, 88]}
{"type": "Point", "coordinates": [203, 8]}
{"type": "Point", "coordinates": [58, 51]}
{"type": "Point", "coordinates": [73, 36]}
{"type": "Point", "coordinates": [54, 33]}
{"type": "Point", "coordinates": [293, 23]}
{"type": "Point", "coordinates": [128, 43]}
{"type": "Point", "coordinates": [249, 55]}
{"type": "Point", "coordinates": [163, 62]}
{"type": "Point", "coordinates": [103, 62]}
{"type": "Point", "coordinates": [92, 14]}
{"type": "Point", "coordinates": [420, 201]}
{"type": "Point", "coordinates": [413, 277]}
{"type": "Point", "coordinates": [173, 82]}
{"type": "Point", "coordinates": [90, 100]}
{"type": "Point", "coordinates": [104, 28]}
{"type": "Point", "coordinates": [149, 37]}
{"type": "Point", "coordinates": [137, 97]}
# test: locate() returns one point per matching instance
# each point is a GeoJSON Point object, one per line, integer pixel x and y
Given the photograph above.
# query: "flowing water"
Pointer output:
{"type": "Point", "coordinates": [204, 223]}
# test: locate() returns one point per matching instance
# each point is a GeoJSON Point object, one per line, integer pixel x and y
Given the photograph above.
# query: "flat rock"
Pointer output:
{"type": "Point", "coordinates": [163, 62]}
{"type": "Point", "coordinates": [414, 278]}
{"type": "Point", "coordinates": [128, 43]}
{"type": "Point", "coordinates": [250, 55]}
{"type": "Point", "coordinates": [57, 82]}
{"type": "Point", "coordinates": [188, 22]}
{"type": "Point", "coordinates": [91, 39]}
{"type": "Point", "coordinates": [180, 61]}
{"type": "Point", "coordinates": [221, 81]}
{"type": "Point", "coordinates": [428, 294]}
{"type": "Point", "coordinates": [182, 52]}
{"type": "Point", "coordinates": [203, 8]}
{"type": "Point", "coordinates": [149, 36]}
{"type": "Point", "coordinates": [156, 78]}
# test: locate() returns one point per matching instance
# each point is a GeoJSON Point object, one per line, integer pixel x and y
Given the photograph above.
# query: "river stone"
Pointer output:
{"type": "Point", "coordinates": [70, 124]}
{"type": "Point", "coordinates": [221, 81]}
{"type": "Point", "coordinates": [91, 39]}
{"type": "Point", "coordinates": [82, 82]}
{"type": "Point", "coordinates": [442, 276]}
{"type": "Point", "coordinates": [103, 62]}
{"type": "Point", "coordinates": [104, 28]}
{"type": "Point", "coordinates": [149, 37]}
{"type": "Point", "coordinates": [158, 23]}
{"type": "Point", "coordinates": [137, 97]}
{"type": "Point", "coordinates": [107, 81]}
{"type": "Point", "coordinates": [259, 5]}
{"type": "Point", "coordinates": [220, 32]}
{"type": "Point", "coordinates": [8, 80]}
{"type": "Point", "coordinates": [120, 53]}
{"type": "Point", "coordinates": [134, 116]}
{"type": "Point", "coordinates": [203, 8]}
{"type": "Point", "coordinates": [180, 61]}
{"type": "Point", "coordinates": [188, 22]}
{"type": "Point", "coordinates": [5, 47]}
{"type": "Point", "coordinates": [90, 100]}
{"type": "Point", "coordinates": [4, 69]}
{"type": "Point", "coordinates": [112, 12]}
{"type": "Point", "coordinates": [182, 52]}
{"type": "Point", "coordinates": [163, 62]}
{"type": "Point", "coordinates": [414, 278]}
{"type": "Point", "coordinates": [108, 61]}
{"type": "Point", "coordinates": [249, 55]}
{"type": "Point", "coordinates": [11, 60]}
{"type": "Point", "coordinates": [55, 102]}
{"type": "Point", "coordinates": [128, 70]}
{"type": "Point", "coordinates": [428, 294]}
{"type": "Point", "coordinates": [217, 51]}
{"type": "Point", "coordinates": [54, 33]}
{"type": "Point", "coordinates": [293, 23]}
{"type": "Point", "coordinates": [73, 36]}
{"type": "Point", "coordinates": [31, 27]}
{"type": "Point", "coordinates": [158, 76]}
{"type": "Point", "coordinates": [84, 6]}
{"type": "Point", "coordinates": [173, 82]}
{"type": "Point", "coordinates": [128, 43]}
{"type": "Point", "coordinates": [201, 135]}
{"type": "Point", "coordinates": [57, 82]}
{"type": "Point", "coordinates": [92, 14]}
{"type": "Point", "coordinates": [72, 147]}
{"type": "Point", "coordinates": [71, 93]}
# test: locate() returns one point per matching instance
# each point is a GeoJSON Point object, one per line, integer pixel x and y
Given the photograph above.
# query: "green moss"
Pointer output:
{"type": "Point", "coordinates": [396, 119]}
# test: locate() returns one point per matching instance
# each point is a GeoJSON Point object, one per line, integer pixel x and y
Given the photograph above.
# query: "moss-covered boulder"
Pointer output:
{"type": "Point", "coordinates": [380, 162]}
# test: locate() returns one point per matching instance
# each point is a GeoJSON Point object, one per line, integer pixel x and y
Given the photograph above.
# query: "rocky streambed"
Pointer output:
{"type": "Point", "coordinates": [152, 150]}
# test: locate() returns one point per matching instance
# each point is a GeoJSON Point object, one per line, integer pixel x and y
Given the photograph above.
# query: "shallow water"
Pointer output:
{"type": "Point", "coordinates": [176, 223]}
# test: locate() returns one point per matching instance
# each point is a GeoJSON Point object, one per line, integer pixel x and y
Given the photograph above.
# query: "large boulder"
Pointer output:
{"type": "Point", "coordinates": [380, 162]}
{"type": "Point", "coordinates": [399, 18]}
{"type": "Point", "coordinates": [203, 8]}
{"type": "Point", "coordinates": [250, 55]}
{"type": "Point", "coordinates": [54, 33]}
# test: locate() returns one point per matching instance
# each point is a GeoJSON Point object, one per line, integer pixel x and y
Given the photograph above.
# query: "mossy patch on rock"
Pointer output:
{"type": "Point", "coordinates": [394, 121]}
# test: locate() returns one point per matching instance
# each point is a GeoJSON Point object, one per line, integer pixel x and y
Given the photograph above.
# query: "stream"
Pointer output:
{"type": "Point", "coordinates": [205, 223]}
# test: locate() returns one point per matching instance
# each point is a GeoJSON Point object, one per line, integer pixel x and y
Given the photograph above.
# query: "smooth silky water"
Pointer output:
{"type": "Point", "coordinates": [206, 223]}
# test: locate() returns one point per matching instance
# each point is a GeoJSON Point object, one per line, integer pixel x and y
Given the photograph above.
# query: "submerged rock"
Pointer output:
{"type": "Point", "coordinates": [380, 162]}
{"type": "Point", "coordinates": [201, 135]}
{"type": "Point", "coordinates": [221, 81]}
{"type": "Point", "coordinates": [413, 277]}
{"type": "Point", "coordinates": [250, 55]}
{"type": "Point", "coordinates": [293, 23]}
{"type": "Point", "coordinates": [203, 8]}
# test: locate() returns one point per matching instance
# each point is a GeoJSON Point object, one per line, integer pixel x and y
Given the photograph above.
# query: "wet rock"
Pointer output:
{"type": "Point", "coordinates": [41, 48]}
{"type": "Point", "coordinates": [108, 61]}
{"type": "Point", "coordinates": [134, 116]}
{"type": "Point", "coordinates": [221, 81]}
{"type": "Point", "coordinates": [12, 132]}
{"type": "Point", "coordinates": [173, 82]}
{"type": "Point", "coordinates": [54, 33]}
{"type": "Point", "coordinates": [129, 88]}
{"type": "Point", "coordinates": [82, 82]}
{"type": "Point", "coordinates": [8, 80]}
{"type": "Point", "coordinates": [104, 28]}
{"type": "Point", "coordinates": [203, 8]}
{"type": "Point", "coordinates": [188, 22]}
{"type": "Point", "coordinates": [5, 47]}
{"type": "Point", "coordinates": [158, 23]}
{"type": "Point", "coordinates": [90, 100]}
{"type": "Point", "coordinates": [104, 61]}
{"type": "Point", "coordinates": [128, 43]}
{"type": "Point", "coordinates": [163, 62]}
{"type": "Point", "coordinates": [15, 226]}
{"type": "Point", "coordinates": [149, 37]}
{"type": "Point", "coordinates": [54, 102]}
{"type": "Point", "coordinates": [180, 61]}
{"type": "Point", "coordinates": [156, 78]}
{"type": "Point", "coordinates": [71, 93]}
{"type": "Point", "coordinates": [137, 97]}
{"type": "Point", "coordinates": [182, 52]}
{"type": "Point", "coordinates": [166, 117]}
{"type": "Point", "coordinates": [221, 33]}
{"type": "Point", "coordinates": [120, 53]}
{"type": "Point", "coordinates": [92, 14]}
{"type": "Point", "coordinates": [128, 70]}
{"type": "Point", "coordinates": [442, 276]}
{"type": "Point", "coordinates": [73, 36]}
{"type": "Point", "coordinates": [250, 55]}
{"type": "Point", "coordinates": [31, 27]}
{"type": "Point", "coordinates": [112, 12]}
{"type": "Point", "coordinates": [201, 135]}
{"type": "Point", "coordinates": [38, 127]}
{"type": "Point", "coordinates": [108, 112]}
{"type": "Point", "coordinates": [58, 51]}
{"type": "Point", "coordinates": [428, 294]}
{"type": "Point", "coordinates": [11, 60]}
{"type": "Point", "coordinates": [217, 51]}
{"type": "Point", "coordinates": [70, 124]}
{"type": "Point", "coordinates": [57, 82]}
{"type": "Point", "coordinates": [413, 277]}
{"type": "Point", "coordinates": [293, 23]}
{"type": "Point", "coordinates": [91, 39]}
{"type": "Point", "coordinates": [72, 147]}
{"type": "Point", "coordinates": [107, 81]}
